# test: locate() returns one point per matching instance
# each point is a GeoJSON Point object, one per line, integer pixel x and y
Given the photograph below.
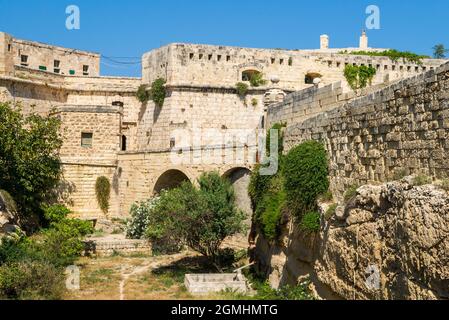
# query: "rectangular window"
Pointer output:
{"type": "Point", "coordinates": [24, 60]}
{"type": "Point", "coordinates": [9, 48]}
{"type": "Point", "coordinates": [56, 63]}
{"type": "Point", "coordinates": [219, 58]}
{"type": "Point", "coordinates": [43, 68]}
{"type": "Point", "coordinates": [210, 57]}
{"type": "Point", "coordinates": [281, 61]}
{"type": "Point", "coordinates": [228, 58]}
{"type": "Point", "coordinates": [172, 143]}
{"type": "Point", "coordinates": [200, 56]}
{"type": "Point", "coordinates": [86, 139]}
{"type": "Point", "coordinates": [273, 60]}
{"type": "Point", "coordinates": [191, 56]}
{"type": "Point", "coordinates": [85, 70]}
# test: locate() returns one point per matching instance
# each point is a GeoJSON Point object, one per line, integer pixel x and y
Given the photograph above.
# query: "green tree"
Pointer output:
{"type": "Point", "coordinates": [439, 51]}
{"type": "Point", "coordinates": [30, 167]}
{"type": "Point", "coordinates": [199, 218]}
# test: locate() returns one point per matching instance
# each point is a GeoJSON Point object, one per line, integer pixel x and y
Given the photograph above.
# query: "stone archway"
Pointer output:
{"type": "Point", "coordinates": [169, 180]}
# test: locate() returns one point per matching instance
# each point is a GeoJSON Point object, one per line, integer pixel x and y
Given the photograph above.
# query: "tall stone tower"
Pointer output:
{"type": "Point", "coordinates": [363, 41]}
{"type": "Point", "coordinates": [6, 55]}
{"type": "Point", "coordinates": [324, 41]}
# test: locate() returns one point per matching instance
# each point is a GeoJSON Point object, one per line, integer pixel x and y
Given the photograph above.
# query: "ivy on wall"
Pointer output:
{"type": "Point", "coordinates": [103, 192]}
{"type": "Point", "coordinates": [157, 92]}
{"type": "Point", "coordinates": [359, 77]}
{"type": "Point", "coordinates": [394, 55]}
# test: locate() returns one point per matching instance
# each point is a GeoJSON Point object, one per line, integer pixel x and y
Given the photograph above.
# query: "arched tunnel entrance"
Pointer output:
{"type": "Point", "coordinates": [240, 178]}
{"type": "Point", "coordinates": [169, 180]}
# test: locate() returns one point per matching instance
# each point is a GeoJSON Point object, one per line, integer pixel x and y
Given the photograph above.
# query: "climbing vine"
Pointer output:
{"type": "Point", "coordinates": [393, 54]}
{"type": "Point", "coordinates": [103, 192]}
{"type": "Point", "coordinates": [359, 77]}
{"type": "Point", "coordinates": [158, 92]}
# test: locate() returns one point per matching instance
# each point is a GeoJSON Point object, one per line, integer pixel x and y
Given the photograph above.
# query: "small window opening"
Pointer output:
{"type": "Point", "coordinates": [86, 139]}
{"type": "Point", "coordinates": [172, 143]}
{"type": "Point", "coordinates": [290, 61]}
{"type": "Point", "coordinates": [273, 60]}
{"type": "Point", "coordinates": [219, 58]}
{"type": "Point", "coordinates": [9, 47]}
{"type": "Point", "coordinates": [117, 103]}
{"type": "Point", "coordinates": [191, 56]}
{"type": "Point", "coordinates": [228, 58]}
{"type": "Point", "coordinates": [210, 57]}
{"type": "Point", "coordinates": [310, 77]}
{"type": "Point", "coordinates": [248, 74]}
{"type": "Point", "coordinates": [24, 60]}
{"type": "Point", "coordinates": [123, 143]}
{"type": "Point", "coordinates": [281, 61]}
{"type": "Point", "coordinates": [56, 66]}
{"type": "Point", "coordinates": [85, 70]}
{"type": "Point", "coordinates": [200, 56]}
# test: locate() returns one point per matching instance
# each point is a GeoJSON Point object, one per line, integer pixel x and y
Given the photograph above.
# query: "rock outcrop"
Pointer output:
{"type": "Point", "coordinates": [389, 242]}
{"type": "Point", "coordinates": [8, 214]}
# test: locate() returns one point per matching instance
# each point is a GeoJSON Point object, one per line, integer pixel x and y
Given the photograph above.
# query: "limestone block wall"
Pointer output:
{"type": "Point", "coordinates": [6, 56]}
{"type": "Point", "coordinates": [193, 110]}
{"type": "Point", "coordinates": [83, 165]}
{"type": "Point", "coordinates": [201, 65]}
{"type": "Point", "coordinates": [403, 127]}
{"type": "Point", "coordinates": [41, 55]}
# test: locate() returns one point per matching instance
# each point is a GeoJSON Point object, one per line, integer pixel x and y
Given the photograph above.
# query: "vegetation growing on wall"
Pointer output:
{"type": "Point", "coordinates": [306, 176]}
{"type": "Point", "coordinates": [158, 92]}
{"type": "Point", "coordinates": [103, 192]}
{"type": "Point", "coordinates": [29, 160]}
{"type": "Point", "coordinates": [257, 79]}
{"type": "Point", "coordinates": [241, 88]}
{"type": "Point", "coordinates": [142, 94]}
{"type": "Point", "coordinates": [393, 54]}
{"type": "Point", "coordinates": [359, 77]}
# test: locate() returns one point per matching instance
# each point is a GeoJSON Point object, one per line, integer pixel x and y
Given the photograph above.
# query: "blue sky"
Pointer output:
{"type": "Point", "coordinates": [130, 28]}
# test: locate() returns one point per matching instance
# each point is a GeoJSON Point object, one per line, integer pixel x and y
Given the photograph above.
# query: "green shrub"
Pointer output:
{"type": "Point", "coordinates": [158, 92]}
{"type": "Point", "coordinates": [142, 94]}
{"type": "Point", "coordinates": [31, 280]}
{"type": "Point", "coordinates": [330, 212]}
{"type": "Point", "coordinates": [103, 192]}
{"type": "Point", "coordinates": [421, 179]}
{"type": "Point", "coordinates": [311, 222]}
{"type": "Point", "coordinates": [199, 218]}
{"type": "Point", "coordinates": [270, 209]}
{"type": "Point", "coordinates": [242, 89]}
{"type": "Point", "coordinates": [254, 102]}
{"type": "Point", "coordinates": [257, 79]}
{"type": "Point", "coordinates": [351, 192]}
{"type": "Point", "coordinates": [306, 176]}
{"type": "Point", "coordinates": [445, 184]}
{"type": "Point", "coordinates": [139, 222]}
{"type": "Point", "coordinates": [400, 174]}
{"type": "Point", "coordinates": [299, 292]}
{"type": "Point", "coordinates": [258, 186]}
{"type": "Point", "coordinates": [56, 213]}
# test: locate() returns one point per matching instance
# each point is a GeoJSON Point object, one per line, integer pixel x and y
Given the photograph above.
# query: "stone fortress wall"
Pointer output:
{"type": "Point", "coordinates": [132, 141]}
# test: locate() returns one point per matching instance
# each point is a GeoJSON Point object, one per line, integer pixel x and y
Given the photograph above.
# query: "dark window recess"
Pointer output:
{"type": "Point", "coordinates": [210, 57]}
{"type": "Point", "coordinates": [118, 104]}
{"type": "Point", "coordinates": [85, 70]}
{"type": "Point", "coordinates": [172, 143]}
{"type": "Point", "coordinates": [56, 65]}
{"type": "Point", "coordinates": [72, 72]}
{"type": "Point", "coordinates": [24, 60]}
{"type": "Point", "coordinates": [219, 58]}
{"type": "Point", "coordinates": [228, 58]}
{"type": "Point", "coordinates": [9, 48]}
{"type": "Point", "coordinates": [273, 60]}
{"type": "Point", "coordinates": [281, 61]}
{"type": "Point", "coordinates": [123, 143]}
{"type": "Point", "coordinates": [191, 56]}
{"type": "Point", "coordinates": [87, 139]}
{"type": "Point", "coordinates": [200, 56]}
{"type": "Point", "coordinates": [43, 68]}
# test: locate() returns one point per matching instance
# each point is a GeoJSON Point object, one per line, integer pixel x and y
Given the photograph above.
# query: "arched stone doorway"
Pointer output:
{"type": "Point", "coordinates": [169, 180]}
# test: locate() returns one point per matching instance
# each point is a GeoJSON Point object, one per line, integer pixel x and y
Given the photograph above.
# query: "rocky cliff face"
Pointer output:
{"type": "Point", "coordinates": [389, 242]}
{"type": "Point", "coordinates": [8, 214]}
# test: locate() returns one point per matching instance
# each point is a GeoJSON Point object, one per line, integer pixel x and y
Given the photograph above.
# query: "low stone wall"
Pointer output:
{"type": "Point", "coordinates": [403, 127]}
{"type": "Point", "coordinates": [107, 247]}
